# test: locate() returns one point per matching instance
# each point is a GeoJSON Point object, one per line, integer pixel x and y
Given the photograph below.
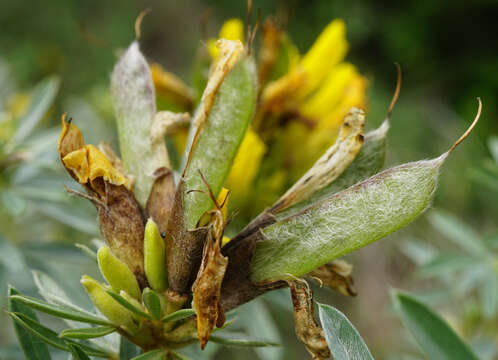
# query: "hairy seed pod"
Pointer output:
{"type": "Point", "coordinates": [345, 221]}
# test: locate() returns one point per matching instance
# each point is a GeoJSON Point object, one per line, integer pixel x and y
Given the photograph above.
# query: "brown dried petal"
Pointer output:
{"type": "Point", "coordinates": [307, 329]}
{"type": "Point", "coordinates": [120, 217]}
{"type": "Point", "coordinates": [336, 275]}
{"type": "Point", "coordinates": [207, 286]}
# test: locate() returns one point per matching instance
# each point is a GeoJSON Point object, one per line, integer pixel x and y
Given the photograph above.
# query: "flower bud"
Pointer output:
{"type": "Point", "coordinates": [106, 304]}
{"type": "Point", "coordinates": [155, 257]}
{"type": "Point", "coordinates": [117, 273]}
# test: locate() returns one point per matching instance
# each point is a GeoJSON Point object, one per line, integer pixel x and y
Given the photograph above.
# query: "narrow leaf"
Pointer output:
{"type": "Point", "coordinates": [62, 311]}
{"type": "Point", "coordinates": [87, 333]}
{"type": "Point", "coordinates": [345, 221]}
{"type": "Point", "coordinates": [458, 232]}
{"type": "Point", "coordinates": [179, 315]}
{"type": "Point", "coordinates": [35, 328]}
{"type": "Point", "coordinates": [241, 342]}
{"type": "Point", "coordinates": [433, 334]}
{"type": "Point", "coordinates": [78, 353]}
{"type": "Point", "coordinates": [128, 305]}
{"type": "Point", "coordinates": [152, 302]}
{"type": "Point", "coordinates": [127, 350]}
{"type": "Point", "coordinates": [50, 337]}
{"type": "Point", "coordinates": [87, 251]}
{"type": "Point", "coordinates": [151, 355]}
{"type": "Point", "coordinates": [33, 348]}
{"type": "Point", "coordinates": [41, 99]}
{"type": "Point", "coordinates": [345, 343]}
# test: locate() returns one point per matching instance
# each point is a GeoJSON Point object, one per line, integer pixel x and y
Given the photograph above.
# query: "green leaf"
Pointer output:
{"type": "Point", "coordinates": [219, 139]}
{"type": "Point", "coordinates": [87, 251]}
{"type": "Point", "coordinates": [33, 348]}
{"type": "Point", "coordinates": [345, 343]}
{"type": "Point", "coordinates": [458, 232]}
{"type": "Point", "coordinates": [61, 311]}
{"type": "Point", "coordinates": [433, 334]}
{"type": "Point", "coordinates": [42, 98]}
{"type": "Point", "coordinates": [367, 163]}
{"type": "Point", "coordinates": [77, 352]}
{"type": "Point", "coordinates": [493, 147]}
{"type": "Point", "coordinates": [152, 302]}
{"type": "Point", "coordinates": [179, 315]}
{"type": "Point", "coordinates": [87, 333]}
{"type": "Point", "coordinates": [241, 342]}
{"type": "Point", "coordinates": [259, 322]}
{"type": "Point", "coordinates": [152, 355]}
{"type": "Point", "coordinates": [346, 221]}
{"type": "Point", "coordinates": [127, 350]}
{"type": "Point", "coordinates": [128, 305]}
{"type": "Point", "coordinates": [489, 294]}
{"type": "Point", "coordinates": [446, 263]}
{"type": "Point", "coordinates": [50, 337]}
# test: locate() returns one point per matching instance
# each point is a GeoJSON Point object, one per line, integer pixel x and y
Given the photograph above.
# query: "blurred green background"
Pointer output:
{"type": "Point", "coordinates": [448, 53]}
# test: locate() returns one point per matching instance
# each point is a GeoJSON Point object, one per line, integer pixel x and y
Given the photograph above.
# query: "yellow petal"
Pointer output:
{"type": "Point", "coordinates": [89, 163]}
{"type": "Point", "coordinates": [353, 95]}
{"type": "Point", "coordinates": [246, 164]}
{"type": "Point", "coordinates": [223, 200]}
{"type": "Point", "coordinates": [328, 96]}
{"type": "Point", "coordinates": [232, 29]}
{"type": "Point", "coordinates": [170, 86]}
{"type": "Point", "coordinates": [77, 162]}
{"type": "Point", "coordinates": [328, 50]}
{"type": "Point", "coordinates": [100, 166]}
{"type": "Point", "coordinates": [70, 138]}
{"type": "Point", "coordinates": [286, 93]}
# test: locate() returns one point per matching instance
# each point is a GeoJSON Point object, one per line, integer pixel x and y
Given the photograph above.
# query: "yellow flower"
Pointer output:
{"type": "Point", "coordinates": [246, 165]}
{"type": "Point", "coordinates": [232, 29]}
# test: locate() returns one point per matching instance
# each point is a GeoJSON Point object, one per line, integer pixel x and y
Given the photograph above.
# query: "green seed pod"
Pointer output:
{"type": "Point", "coordinates": [106, 304]}
{"type": "Point", "coordinates": [155, 257]}
{"type": "Point", "coordinates": [220, 124]}
{"type": "Point", "coordinates": [345, 221]}
{"type": "Point", "coordinates": [135, 106]}
{"type": "Point", "coordinates": [368, 162]}
{"type": "Point", "coordinates": [117, 273]}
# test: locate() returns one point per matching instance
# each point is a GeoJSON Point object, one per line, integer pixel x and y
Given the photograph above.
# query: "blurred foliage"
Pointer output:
{"type": "Point", "coordinates": [447, 52]}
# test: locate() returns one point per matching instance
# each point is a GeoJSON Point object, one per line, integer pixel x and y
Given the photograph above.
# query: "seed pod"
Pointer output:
{"type": "Point", "coordinates": [217, 130]}
{"type": "Point", "coordinates": [106, 304]}
{"type": "Point", "coordinates": [331, 164]}
{"type": "Point", "coordinates": [346, 221]}
{"type": "Point", "coordinates": [135, 106]}
{"type": "Point", "coordinates": [224, 115]}
{"type": "Point", "coordinates": [367, 163]}
{"type": "Point", "coordinates": [117, 273]}
{"type": "Point", "coordinates": [155, 257]}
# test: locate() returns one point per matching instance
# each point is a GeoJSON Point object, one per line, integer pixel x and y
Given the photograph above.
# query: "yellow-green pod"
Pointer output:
{"type": "Point", "coordinates": [117, 273]}
{"type": "Point", "coordinates": [155, 257]}
{"type": "Point", "coordinates": [106, 304]}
